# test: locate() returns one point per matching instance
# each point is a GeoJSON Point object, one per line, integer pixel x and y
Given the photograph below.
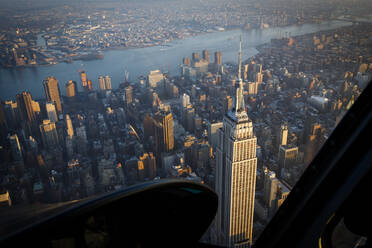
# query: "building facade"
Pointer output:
{"type": "Point", "coordinates": [236, 175]}
{"type": "Point", "coordinates": [52, 92]}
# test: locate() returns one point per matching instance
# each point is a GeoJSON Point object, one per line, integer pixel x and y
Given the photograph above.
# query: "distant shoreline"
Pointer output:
{"type": "Point", "coordinates": [96, 55]}
{"type": "Point", "coordinates": [122, 48]}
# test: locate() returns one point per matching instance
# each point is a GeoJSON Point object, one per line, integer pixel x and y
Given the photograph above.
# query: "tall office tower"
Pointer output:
{"type": "Point", "coordinates": [186, 61]}
{"type": "Point", "coordinates": [15, 147]}
{"type": "Point", "coordinates": [26, 112]}
{"type": "Point", "coordinates": [108, 82]}
{"type": "Point", "coordinates": [12, 114]}
{"type": "Point", "coordinates": [149, 164]}
{"type": "Point", "coordinates": [314, 142]}
{"type": "Point", "coordinates": [271, 187]}
{"type": "Point", "coordinates": [283, 136]}
{"type": "Point", "coordinates": [188, 118]}
{"type": "Point", "coordinates": [287, 158]}
{"type": "Point", "coordinates": [24, 104]}
{"type": "Point", "coordinates": [252, 88]}
{"type": "Point", "coordinates": [81, 137]}
{"type": "Point", "coordinates": [213, 133]}
{"type": "Point", "coordinates": [206, 55]}
{"type": "Point", "coordinates": [163, 129]}
{"type": "Point", "coordinates": [148, 128]}
{"type": "Point", "coordinates": [245, 73]}
{"type": "Point", "coordinates": [195, 56]}
{"type": "Point", "coordinates": [71, 89]}
{"type": "Point", "coordinates": [259, 75]}
{"type": "Point", "coordinates": [310, 122]}
{"type": "Point", "coordinates": [52, 92]}
{"type": "Point", "coordinates": [236, 174]}
{"type": "Point", "coordinates": [49, 134]}
{"type": "Point", "coordinates": [90, 85]}
{"type": "Point", "coordinates": [70, 129]}
{"type": "Point", "coordinates": [128, 95]}
{"type": "Point", "coordinates": [51, 111]}
{"type": "Point", "coordinates": [102, 84]}
{"type": "Point", "coordinates": [227, 103]}
{"type": "Point", "coordinates": [35, 107]}
{"type": "Point", "coordinates": [218, 58]}
{"type": "Point", "coordinates": [84, 81]}
{"type": "Point", "coordinates": [185, 100]}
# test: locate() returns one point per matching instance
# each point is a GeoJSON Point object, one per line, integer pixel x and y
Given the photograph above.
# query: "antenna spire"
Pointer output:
{"type": "Point", "coordinates": [240, 59]}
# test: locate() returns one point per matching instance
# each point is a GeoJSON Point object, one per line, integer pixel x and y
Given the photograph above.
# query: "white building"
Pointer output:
{"type": "Point", "coordinates": [154, 78]}
{"type": "Point", "coordinates": [185, 100]}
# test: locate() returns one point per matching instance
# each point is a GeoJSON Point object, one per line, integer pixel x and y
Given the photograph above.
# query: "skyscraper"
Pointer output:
{"type": "Point", "coordinates": [90, 85]}
{"type": "Point", "coordinates": [186, 61]}
{"type": "Point", "coordinates": [259, 75]}
{"type": "Point", "coordinates": [12, 114]}
{"type": "Point", "coordinates": [24, 104]}
{"type": "Point", "coordinates": [185, 100]}
{"type": "Point", "coordinates": [236, 174]}
{"type": "Point", "coordinates": [71, 89]}
{"type": "Point", "coordinates": [81, 138]}
{"type": "Point", "coordinates": [15, 147]}
{"type": "Point", "coordinates": [213, 133]}
{"type": "Point", "coordinates": [84, 81]}
{"type": "Point", "coordinates": [227, 103]}
{"type": "Point", "coordinates": [287, 158]}
{"type": "Point", "coordinates": [102, 84]}
{"type": "Point", "coordinates": [108, 82]}
{"type": "Point", "coordinates": [188, 118]}
{"type": "Point", "coordinates": [52, 92]}
{"type": "Point", "coordinates": [148, 127]}
{"type": "Point", "coordinates": [51, 111]}
{"type": "Point", "coordinates": [283, 136]}
{"type": "Point", "coordinates": [270, 189]}
{"type": "Point", "coordinates": [26, 113]}
{"type": "Point", "coordinates": [314, 141]}
{"type": "Point", "coordinates": [163, 128]}
{"type": "Point", "coordinates": [70, 129]}
{"type": "Point", "coordinates": [217, 58]}
{"type": "Point", "coordinates": [49, 134]}
{"type": "Point", "coordinates": [149, 164]}
{"type": "Point", "coordinates": [128, 95]}
{"type": "Point", "coordinates": [195, 56]}
{"type": "Point", "coordinates": [206, 55]}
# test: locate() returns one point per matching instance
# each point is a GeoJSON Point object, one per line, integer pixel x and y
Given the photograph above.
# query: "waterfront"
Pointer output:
{"type": "Point", "coordinates": [140, 61]}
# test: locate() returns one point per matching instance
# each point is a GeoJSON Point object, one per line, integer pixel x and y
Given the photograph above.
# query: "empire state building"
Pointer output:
{"type": "Point", "coordinates": [236, 174]}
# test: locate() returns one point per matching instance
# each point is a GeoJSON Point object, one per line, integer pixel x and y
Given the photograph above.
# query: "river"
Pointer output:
{"type": "Point", "coordinates": [139, 61]}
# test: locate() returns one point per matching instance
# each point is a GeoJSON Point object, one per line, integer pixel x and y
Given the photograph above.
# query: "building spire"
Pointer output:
{"type": "Point", "coordinates": [240, 60]}
{"type": "Point", "coordinates": [238, 112]}
{"type": "Point", "coordinates": [239, 105]}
